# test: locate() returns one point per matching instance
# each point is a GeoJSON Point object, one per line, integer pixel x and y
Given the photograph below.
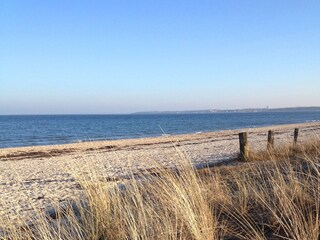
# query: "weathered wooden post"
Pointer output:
{"type": "Point", "coordinates": [295, 136]}
{"type": "Point", "coordinates": [244, 148]}
{"type": "Point", "coordinates": [270, 145]}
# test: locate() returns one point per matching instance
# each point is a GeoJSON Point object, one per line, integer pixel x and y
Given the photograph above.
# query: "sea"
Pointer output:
{"type": "Point", "coordinates": [34, 130]}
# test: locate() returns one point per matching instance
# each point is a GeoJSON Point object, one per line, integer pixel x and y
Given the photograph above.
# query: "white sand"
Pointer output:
{"type": "Point", "coordinates": [34, 176]}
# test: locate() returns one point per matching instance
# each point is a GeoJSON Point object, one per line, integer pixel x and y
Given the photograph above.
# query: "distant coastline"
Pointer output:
{"type": "Point", "coordinates": [244, 110]}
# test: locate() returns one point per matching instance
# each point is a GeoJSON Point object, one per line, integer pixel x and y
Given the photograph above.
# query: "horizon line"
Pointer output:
{"type": "Point", "coordinates": [161, 111]}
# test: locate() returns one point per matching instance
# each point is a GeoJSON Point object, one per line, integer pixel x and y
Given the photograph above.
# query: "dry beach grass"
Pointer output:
{"type": "Point", "coordinates": [275, 195]}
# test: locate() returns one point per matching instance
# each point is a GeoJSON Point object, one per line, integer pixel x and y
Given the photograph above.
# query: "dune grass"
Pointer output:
{"type": "Point", "coordinates": [274, 195]}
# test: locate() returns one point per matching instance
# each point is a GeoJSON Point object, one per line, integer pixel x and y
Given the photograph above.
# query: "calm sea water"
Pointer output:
{"type": "Point", "coordinates": [18, 131]}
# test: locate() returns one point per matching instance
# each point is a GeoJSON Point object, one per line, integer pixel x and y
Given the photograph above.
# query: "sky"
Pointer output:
{"type": "Point", "coordinates": [117, 56]}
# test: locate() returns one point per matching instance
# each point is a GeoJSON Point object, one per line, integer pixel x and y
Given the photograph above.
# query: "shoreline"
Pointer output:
{"type": "Point", "coordinates": [152, 136]}
{"type": "Point", "coordinates": [118, 143]}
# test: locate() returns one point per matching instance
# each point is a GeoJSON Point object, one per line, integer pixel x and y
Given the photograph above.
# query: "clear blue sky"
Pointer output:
{"type": "Point", "coordinates": [125, 56]}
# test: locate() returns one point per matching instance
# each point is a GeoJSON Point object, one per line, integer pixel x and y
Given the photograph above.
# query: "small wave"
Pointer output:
{"type": "Point", "coordinates": [308, 121]}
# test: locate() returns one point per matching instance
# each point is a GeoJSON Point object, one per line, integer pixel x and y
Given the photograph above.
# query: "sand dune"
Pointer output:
{"type": "Point", "coordinates": [41, 174]}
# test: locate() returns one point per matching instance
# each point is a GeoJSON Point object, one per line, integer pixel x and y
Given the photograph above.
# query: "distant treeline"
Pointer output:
{"type": "Point", "coordinates": [246, 110]}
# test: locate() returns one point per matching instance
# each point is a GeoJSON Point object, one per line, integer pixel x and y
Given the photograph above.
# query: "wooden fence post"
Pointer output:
{"type": "Point", "coordinates": [270, 145]}
{"type": "Point", "coordinates": [295, 136]}
{"type": "Point", "coordinates": [244, 149]}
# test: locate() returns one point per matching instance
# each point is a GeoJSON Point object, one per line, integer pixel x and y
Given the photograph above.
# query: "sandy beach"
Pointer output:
{"type": "Point", "coordinates": [35, 176]}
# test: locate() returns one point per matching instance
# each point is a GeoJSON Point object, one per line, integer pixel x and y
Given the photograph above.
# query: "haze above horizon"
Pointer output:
{"type": "Point", "coordinates": [68, 57]}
